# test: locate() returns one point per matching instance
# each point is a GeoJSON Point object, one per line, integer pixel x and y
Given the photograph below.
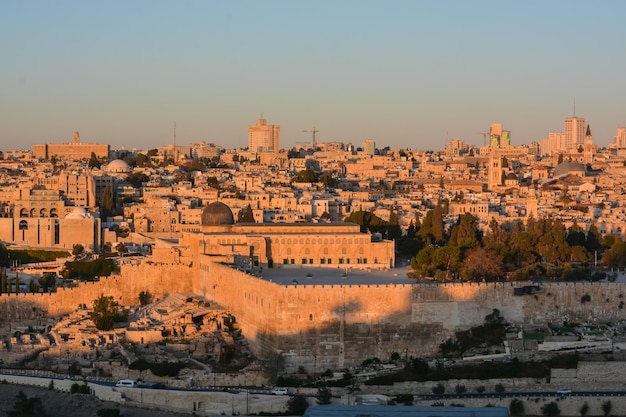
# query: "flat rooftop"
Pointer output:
{"type": "Point", "coordinates": [337, 276]}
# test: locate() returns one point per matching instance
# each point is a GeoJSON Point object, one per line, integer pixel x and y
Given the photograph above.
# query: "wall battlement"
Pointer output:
{"type": "Point", "coordinates": [337, 325]}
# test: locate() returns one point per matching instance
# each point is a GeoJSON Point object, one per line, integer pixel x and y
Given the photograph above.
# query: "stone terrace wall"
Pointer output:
{"type": "Point", "coordinates": [159, 279]}
{"type": "Point", "coordinates": [332, 326]}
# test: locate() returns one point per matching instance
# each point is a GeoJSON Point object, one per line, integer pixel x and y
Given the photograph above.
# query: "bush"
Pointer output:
{"type": "Point", "coordinates": [460, 389]}
{"type": "Point", "coordinates": [516, 407]}
{"type": "Point", "coordinates": [439, 389]}
{"type": "Point", "coordinates": [25, 406]}
{"type": "Point", "coordinates": [551, 409]}
{"type": "Point", "coordinates": [499, 388]}
{"type": "Point", "coordinates": [80, 389]}
{"type": "Point", "coordinates": [323, 396]}
{"type": "Point", "coordinates": [297, 405]}
{"type": "Point", "coordinates": [109, 412]}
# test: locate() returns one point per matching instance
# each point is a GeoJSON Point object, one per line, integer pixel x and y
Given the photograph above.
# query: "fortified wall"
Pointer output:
{"type": "Point", "coordinates": [335, 326]}
{"type": "Point", "coordinates": [159, 279]}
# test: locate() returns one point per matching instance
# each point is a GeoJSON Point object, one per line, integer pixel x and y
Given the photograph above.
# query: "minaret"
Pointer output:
{"type": "Point", "coordinates": [588, 148]}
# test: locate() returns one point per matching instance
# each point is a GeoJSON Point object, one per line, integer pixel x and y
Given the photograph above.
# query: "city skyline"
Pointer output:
{"type": "Point", "coordinates": [405, 74]}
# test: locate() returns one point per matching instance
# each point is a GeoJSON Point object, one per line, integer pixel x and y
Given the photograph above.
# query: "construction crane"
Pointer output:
{"type": "Point", "coordinates": [313, 131]}
{"type": "Point", "coordinates": [485, 134]}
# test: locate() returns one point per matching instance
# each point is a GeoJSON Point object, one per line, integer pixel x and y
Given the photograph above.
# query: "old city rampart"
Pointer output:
{"type": "Point", "coordinates": [332, 326]}
{"type": "Point", "coordinates": [338, 325]}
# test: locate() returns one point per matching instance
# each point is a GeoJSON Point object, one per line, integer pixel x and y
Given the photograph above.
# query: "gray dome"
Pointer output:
{"type": "Point", "coordinates": [216, 214]}
{"type": "Point", "coordinates": [569, 168]}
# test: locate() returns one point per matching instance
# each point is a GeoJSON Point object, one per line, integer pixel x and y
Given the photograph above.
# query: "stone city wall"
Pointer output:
{"type": "Point", "coordinates": [334, 326]}
{"type": "Point", "coordinates": [159, 279]}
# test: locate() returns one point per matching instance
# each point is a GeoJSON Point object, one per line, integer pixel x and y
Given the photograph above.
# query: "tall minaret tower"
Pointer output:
{"type": "Point", "coordinates": [495, 170]}
{"type": "Point", "coordinates": [588, 147]}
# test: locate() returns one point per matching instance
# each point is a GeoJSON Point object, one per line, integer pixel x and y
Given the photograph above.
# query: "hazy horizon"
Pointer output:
{"type": "Point", "coordinates": [408, 74]}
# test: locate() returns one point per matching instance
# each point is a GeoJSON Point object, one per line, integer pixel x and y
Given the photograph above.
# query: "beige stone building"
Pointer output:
{"type": "Point", "coordinates": [332, 245]}
{"type": "Point", "coordinates": [263, 137]}
{"type": "Point", "coordinates": [71, 151]}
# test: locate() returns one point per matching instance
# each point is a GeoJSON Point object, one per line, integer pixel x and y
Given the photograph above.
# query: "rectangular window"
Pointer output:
{"type": "Point", "coordinates": [330, 261]}
{"type": "Point", "coordinates": [303, 261]}
{"type": "Point", "coordinates": [293, 261]}
{"type": "Point", "coordinates": [323, 261]}
{"type": "Point", "coordinates": [285, 261]}
{"type": "Point", "coordinates": [348, 260]}
{"type": "Point", "coordinates": [341, 261]}
{"type": "Point", "coordinates": [311, 261]}
{"type": "Point", "coordinates": [364, 260]}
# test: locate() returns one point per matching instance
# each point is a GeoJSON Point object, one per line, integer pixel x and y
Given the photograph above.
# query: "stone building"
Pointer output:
{"type": "Point", "coordinates": [332, 245]}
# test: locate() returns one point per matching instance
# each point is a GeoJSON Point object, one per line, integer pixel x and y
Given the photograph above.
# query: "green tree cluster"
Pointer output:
{"type": "Point", "coordinates": [88, 271]}
{"type": "Point", "coordinates": [539, 247]}
{"type": "Point", "coordinates": [105, 312]}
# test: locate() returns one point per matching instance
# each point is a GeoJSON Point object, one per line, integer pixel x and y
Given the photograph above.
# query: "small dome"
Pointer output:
{"type": "Point", "coordinates": [78, 213]}
{"type": "Point", "coordinates": [117, 165]}
{"type": "Point", "coordinates": [568, 167]}
{"type": "Point", "coordinates": [217, 213]}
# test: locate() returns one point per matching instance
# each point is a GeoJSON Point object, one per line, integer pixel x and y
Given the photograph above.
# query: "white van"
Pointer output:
{"type": "Point", "coordinates": [279, 391]}
{"type": "Point", "coordinates": [126, 383]}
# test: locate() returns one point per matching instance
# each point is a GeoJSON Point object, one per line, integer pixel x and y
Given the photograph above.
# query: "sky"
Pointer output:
{"type": "Point", "coordinates": [408, 74]}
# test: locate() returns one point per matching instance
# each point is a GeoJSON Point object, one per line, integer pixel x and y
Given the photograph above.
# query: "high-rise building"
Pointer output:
{"type": "Point", "coordinates": [263, 137]}
{"type": "Point", "coordinates": [499, 138]}
{"type": "Point", "coordinates": [369, 146]}
{"type": "Point", "coordinates": [620, 138]}
{"type": "Point", "coordinates": [71, 151]}
{"type": "Point", "coordinates": [574, 132]}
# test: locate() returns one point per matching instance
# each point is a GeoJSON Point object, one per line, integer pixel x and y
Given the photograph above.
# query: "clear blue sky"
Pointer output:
{"type": "Point", "coordinates": [408, 74]}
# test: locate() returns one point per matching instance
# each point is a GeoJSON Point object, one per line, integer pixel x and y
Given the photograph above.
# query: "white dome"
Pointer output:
{"type": "Point", "coordinates": [78, 213]}
{"type": "Point", "coordinates": [117, 165]}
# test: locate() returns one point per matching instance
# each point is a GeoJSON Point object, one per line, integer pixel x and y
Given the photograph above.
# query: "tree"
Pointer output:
{"type": "Point", "coordinates": [121, 248]}
{"type": "Point", "coordinates": [551, 409]}
{"type": "Point", "coordinates": [323, 396]}
{"type": "Point", "coordinates": [273, 366]}
{"type": "Point", "coordinates": [145, 298]}
{"type": "Point", "coordinates": [245, 215]}
{"type": "Point", "coordinates": [109, 412]}
{"type": "Point", "coordinates": [306, 175]}
{"type": "Point", "coordinates": [465, 233]}
{"type": "Point", "coordinates": [584, 409]}
{"type": "Point", "coordinates": [78, 249]}
{"type": "Point", "coordinates": [47, 280]}
{"type": "Point", "coordinates": [499, 388]}
{"type": "Point", "coordinates": [481, 263]}
{"type": "Point", "coordinates": [516, 407]}
{"type": "Point", "coordinates": [439, 389]}
{"type": "Point", "coordinates": [94, 162]}
{"type": "Point", "coordinates": [137, 179]}
{"type": "Point", "coordinates": [27, 407]}
{"type": "Point", "coordinates": [213, 182]}
{"type": "Point", "coordinates": [107, 201]}
{"type": "Point", "coordinates": [104, 310]}
{"type": "Point", "coordinates": [142, 160]}
{"type": "Point", "coordinates": [297, 405]}
{"type": "Point", "coordinates": [606, 407]}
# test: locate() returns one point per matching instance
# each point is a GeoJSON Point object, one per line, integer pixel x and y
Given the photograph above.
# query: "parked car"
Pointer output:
{"type": "Point", "coordinates": [280, 391]}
